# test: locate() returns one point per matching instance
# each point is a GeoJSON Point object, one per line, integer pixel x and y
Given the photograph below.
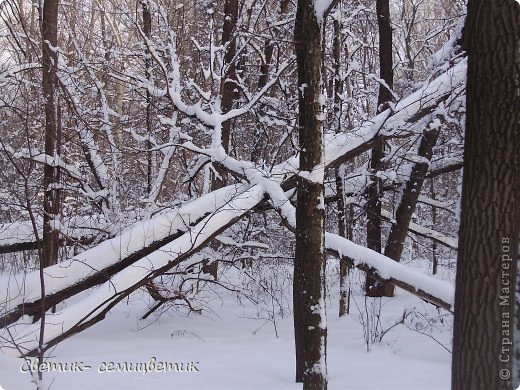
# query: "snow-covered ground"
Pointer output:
{"type": "Point", "coordinates": [231, 348]}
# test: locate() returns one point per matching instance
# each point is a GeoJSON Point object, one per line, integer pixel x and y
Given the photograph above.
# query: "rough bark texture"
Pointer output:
{"type": "Point", "coordinates": [373, 287]}
{"type": "Point", "coordinates": [51, 174]}
{"type": "Point", "coordinates": [412, 189]}
{"type": "Point", "coordinates": [309, 263]}
{"type": "Point", "coordinates": [488, 235]}
{"type": "Point", "coordinates": [516, 337]}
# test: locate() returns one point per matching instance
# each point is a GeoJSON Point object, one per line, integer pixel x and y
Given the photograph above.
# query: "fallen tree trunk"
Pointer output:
{"type": "Point", "coordinates": [20, 236]}
{"type": "Point", "coordinates": [440, 238]}
{"type": "Point", "coordinates": [99, 264]}
{"type": "Point", "coordinates": [435, 291]}
{"type": "Point", "coordinates": [411, 110]}
{"type": "Point", "coordinates": [94, 307]}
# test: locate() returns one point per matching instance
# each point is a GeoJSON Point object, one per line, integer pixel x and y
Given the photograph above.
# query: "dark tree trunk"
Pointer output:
{"type": "Point", "coordinates": [227, 98]}
{"type": "Point", "coordinates": [345, 230]}
{"type": "Point", "coordinates": [488, 235]}
{"type": "Point", "coordinates": [435, 261]}
{"type": "Point", "coordinates": [51, 174]}
{"type": "Point", "coordinates": [260, 138]}
{"type": "Point", "coordinates": [412, 189]}
{"type": "Point", "coordinates": [373, 287]}
{"type": "Point", "coordinates": [516, 337]}
{"type": "Point", "coordinates": [228, 86]}
{"type": "Point", "coordinates": [309, 262]}
{"type": "Point", "coordinates": [147, 30]}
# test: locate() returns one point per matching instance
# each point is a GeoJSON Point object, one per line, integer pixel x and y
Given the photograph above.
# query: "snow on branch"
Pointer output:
{"type": "Point", "coordinates": [20, 294]}
{"type": "Point", "coordinates": [435, 291]}
{"type": "Point", "coordinates": [343, 146]}
{"type": "Point", "coordinates": [146, 249]}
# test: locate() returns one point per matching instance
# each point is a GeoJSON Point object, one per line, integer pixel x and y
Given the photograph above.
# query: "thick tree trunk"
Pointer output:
{"type": "Point", "coordinates": [488, 235]}
{"type": "Point", "coordinates": [309, 263]}
{"type": "Point", "coordinates": [516, 337]}
{"type": "Point", "coordinates": [51, 174]}
{"type": "Point", "coordinates": [373, 287]}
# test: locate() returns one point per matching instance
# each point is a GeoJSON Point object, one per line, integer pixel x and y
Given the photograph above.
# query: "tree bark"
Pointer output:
{"type": "Point", "coordinates": [147, 30]}
{"type": "Point", "coordinates": [228, 86]}
{"type": "Point", "coordinates": [309, 262]}
{"type": "Point", "coordinates": [403, 216]}
{"type": "Point", "coordinates": [373, 287]}
{"type": "Point", "coordinates": [259, 136]}
{"type": "Point", "coordinates": [489, 230]}
{"type": "Point", "coordinates": [51, 174]}
{"type": "Point", "coordinates": [227, 99]}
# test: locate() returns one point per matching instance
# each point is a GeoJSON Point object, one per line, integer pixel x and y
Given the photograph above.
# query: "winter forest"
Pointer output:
{"type": "Point", "coordinates": [259, 194]}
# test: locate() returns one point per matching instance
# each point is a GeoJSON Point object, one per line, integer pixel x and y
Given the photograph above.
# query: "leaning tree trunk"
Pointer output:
{"type": "Point", "coordinates": [309, 262]}
{"type": "Point", "coordinates": [488, 235]}
{"type": "Point", "coordinates": [373, 287]}
{"type": "Point", "coordinates": [412, 188]}
{"type": "Point", "coordinates": [51, 174]}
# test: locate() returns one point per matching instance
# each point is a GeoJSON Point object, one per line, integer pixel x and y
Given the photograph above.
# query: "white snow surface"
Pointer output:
{"type": "Point", "coordinates": [236, 350]}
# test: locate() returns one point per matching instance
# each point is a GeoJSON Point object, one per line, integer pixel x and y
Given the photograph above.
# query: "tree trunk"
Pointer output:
{"type": "Point", "coordinates": [309, 262]}
{"type": "Point", "coordinates": [51, 174]}
{"type": "Point", "coordinates": [343, 228]}
{"type": "Point", "coordinates": [228, 86]}
{"type": "Point", "coordinates": [227, 98]}
{"type": "Point", "coordinates": [435, 261]}
{"type": "Point", "coordinates": [373, 287]}
{"type": "Point", "coordinates": [412, 189]}
{"type": "Point", "coordinates": [516, 336]}
{"type": "Point", "coordinates": [488, 235]}
{"type": "Point", "coordinates": [260, 138]}
{"type": "Point", "coordinates": [147, 30]}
